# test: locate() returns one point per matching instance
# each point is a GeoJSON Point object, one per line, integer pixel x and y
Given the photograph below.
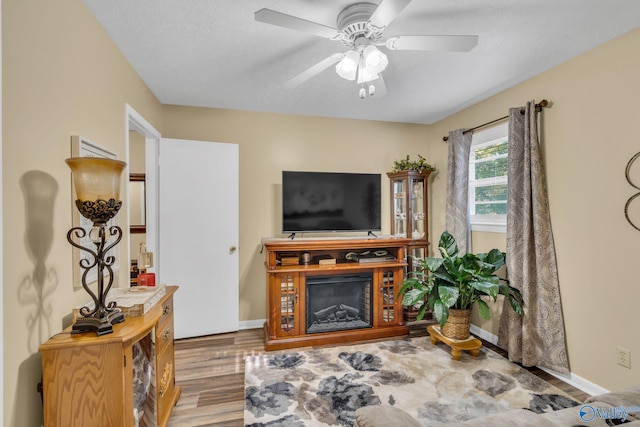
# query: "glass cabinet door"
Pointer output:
{"type": "Point", "coordinates": [389, 282]}
{"type": "Point", "coordinates": [409, 205]}
{"type": "Point", "coordinates": [418, 214]}
{"type": "Point", "coordinates": [400, 207]}
{"type": "Point", "coordinates": [287, 288]}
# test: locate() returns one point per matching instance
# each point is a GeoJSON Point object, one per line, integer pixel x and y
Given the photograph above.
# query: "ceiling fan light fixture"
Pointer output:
{"type": "Point", "coordinates": [375, 61]}
{"type": "Point", "coordinates": [360, 28]}
{"type": "Point", "coordinates": [348, 66]}
{"type": "Point", "coordinates": [365, 75]}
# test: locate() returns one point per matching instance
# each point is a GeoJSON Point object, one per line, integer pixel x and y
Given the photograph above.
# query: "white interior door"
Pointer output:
{"type": "Point", "coordinates": [198, 234]}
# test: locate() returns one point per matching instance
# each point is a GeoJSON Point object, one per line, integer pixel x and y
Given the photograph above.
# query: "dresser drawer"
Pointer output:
{"type": "Point", "coordinates": [167, 316]}
{"type": "Point", "coordinates": [164, 339]}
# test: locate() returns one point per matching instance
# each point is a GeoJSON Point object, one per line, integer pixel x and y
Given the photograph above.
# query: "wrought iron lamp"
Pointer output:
{"type": "Point", "coordinates": [97, 183]}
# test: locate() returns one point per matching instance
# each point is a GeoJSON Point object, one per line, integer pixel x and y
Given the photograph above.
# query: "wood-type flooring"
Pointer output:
{"type": "Point", "coordinates": [210, 371]}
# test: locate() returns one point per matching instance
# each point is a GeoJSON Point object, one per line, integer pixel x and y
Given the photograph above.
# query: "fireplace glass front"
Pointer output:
{"type": "Point", "coordinates": [338, 302]}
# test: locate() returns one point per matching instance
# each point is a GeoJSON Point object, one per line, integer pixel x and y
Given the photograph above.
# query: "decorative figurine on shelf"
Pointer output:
{"type": "Point", "coordinates": [417, 235]}
{"type": "Point", "coordinates": [145, 261]}
{"type": "Point", "coordinates": [97, 184]}
{"type": "Point", "coordinates": [417, 189]}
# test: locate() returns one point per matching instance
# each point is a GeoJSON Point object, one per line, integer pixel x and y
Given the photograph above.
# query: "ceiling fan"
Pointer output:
{"type": "Point", "coordinates": [360, 27]}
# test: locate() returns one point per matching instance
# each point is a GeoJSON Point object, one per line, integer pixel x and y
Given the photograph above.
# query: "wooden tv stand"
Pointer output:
{"type": "Point", "coordinates": [286, 325]}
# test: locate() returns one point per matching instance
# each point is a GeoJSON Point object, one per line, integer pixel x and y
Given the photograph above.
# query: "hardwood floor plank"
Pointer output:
{"type": "Point", "coordinates": [227, 388]}
{"type": "Point", "coordinates": [210, 371]}
{"type": "Point", "coordinates": [211, 341]}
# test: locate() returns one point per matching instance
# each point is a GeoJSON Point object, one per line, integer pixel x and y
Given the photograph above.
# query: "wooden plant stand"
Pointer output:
{"type": "Point", "coordinates": [471, 345]}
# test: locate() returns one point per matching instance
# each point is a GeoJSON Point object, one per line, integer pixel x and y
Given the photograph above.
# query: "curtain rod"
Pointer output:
{"type": "Point", "coordinates": [539, 107]}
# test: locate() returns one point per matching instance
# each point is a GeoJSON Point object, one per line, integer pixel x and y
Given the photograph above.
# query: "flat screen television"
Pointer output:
{"type": "Point", "coordinates": [330, 201]}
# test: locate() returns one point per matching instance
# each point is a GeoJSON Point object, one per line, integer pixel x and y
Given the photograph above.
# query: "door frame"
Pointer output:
{"type": "Point", "coordinates": [135, 121]}
{"type": "Point", "coordinates": [2, 238]}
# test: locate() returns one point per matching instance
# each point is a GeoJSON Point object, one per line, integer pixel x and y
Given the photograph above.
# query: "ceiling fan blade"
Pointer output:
{"type": "Point", "coordinates": [313, 70]}
{"type": "Point", "coordinates": [272, 17]}
{"type": "Point", "coordinates": [434, 43]}
{"type": "Point", "coordinates": [387, 12]}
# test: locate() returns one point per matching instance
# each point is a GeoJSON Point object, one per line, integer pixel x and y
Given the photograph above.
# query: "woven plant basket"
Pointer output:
{"type": "Point", "coordinates": [457, 325]}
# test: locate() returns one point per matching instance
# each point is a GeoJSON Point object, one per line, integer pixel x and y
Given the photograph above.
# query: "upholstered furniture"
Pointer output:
{"type": "Point", "coordinates": [594, 414]}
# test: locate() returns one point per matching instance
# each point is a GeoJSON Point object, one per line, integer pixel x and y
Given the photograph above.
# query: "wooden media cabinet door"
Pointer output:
{"type": "Point", "coordinates": [285, 304]}
{"type": "Point", "coordinates": [388, 282]}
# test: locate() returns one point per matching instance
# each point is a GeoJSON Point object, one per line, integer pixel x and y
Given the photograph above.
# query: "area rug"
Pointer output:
{"type": "Point", "coordinates": [324, 387]}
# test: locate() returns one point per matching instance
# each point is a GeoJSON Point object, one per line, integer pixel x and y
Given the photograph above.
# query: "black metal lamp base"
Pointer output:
{"type": "Point", "coordinates": [101, 326]}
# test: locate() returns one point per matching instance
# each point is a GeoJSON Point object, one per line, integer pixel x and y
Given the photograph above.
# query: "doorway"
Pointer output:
{"type": "Point", "coordinates": [198, 253]}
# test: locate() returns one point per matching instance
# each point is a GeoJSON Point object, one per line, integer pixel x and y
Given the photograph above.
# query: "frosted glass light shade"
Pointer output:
{"type": "Point", "coordinates": [365, 76]}
{"type": "Point", "coordinates": [348, 66]}
{"type": "Point", "coordinates": [375, 60]}
{"type": "Point", "coordinates": [96, 178]}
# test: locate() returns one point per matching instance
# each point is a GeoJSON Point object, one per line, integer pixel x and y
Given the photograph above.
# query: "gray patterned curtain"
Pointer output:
{"type": "Point", "coordinates": [538, 338]}
{"type": "Point", "coordinates": [457, 211]}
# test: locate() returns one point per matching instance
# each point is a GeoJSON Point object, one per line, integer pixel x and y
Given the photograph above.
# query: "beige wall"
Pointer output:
{"type": "Point", "coordinates": [271, 143]}
{"type": "Point", "coordinates": [588, 136]}
{"type": "Point", "coordinates": [62, 76]}
{"type": "Point", "coordinates": [136, 152]}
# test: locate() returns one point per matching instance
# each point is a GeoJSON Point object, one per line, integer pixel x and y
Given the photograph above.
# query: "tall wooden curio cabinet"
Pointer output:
{"type": "Point", "coordinates": [409, 211]}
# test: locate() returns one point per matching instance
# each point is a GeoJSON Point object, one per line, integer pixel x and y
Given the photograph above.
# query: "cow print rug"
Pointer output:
{"type": "Point", "coordinates": [325, 386]}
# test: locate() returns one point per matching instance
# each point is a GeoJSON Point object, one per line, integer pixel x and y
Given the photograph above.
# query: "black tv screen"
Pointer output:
{"type": "Point", "coordinates": [330, 201]}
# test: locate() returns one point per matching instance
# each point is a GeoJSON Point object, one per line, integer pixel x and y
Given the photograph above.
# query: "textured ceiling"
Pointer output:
{"type": "Point", "coordinates": [212, 53]}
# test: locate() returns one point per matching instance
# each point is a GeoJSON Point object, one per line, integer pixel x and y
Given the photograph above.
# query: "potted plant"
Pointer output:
{"type": "Point", "coordinates": [406, 164]}
{"type": "Point", "coordinates": [452, 284]}
{"type": "Point", "coordinates": [410, 312]}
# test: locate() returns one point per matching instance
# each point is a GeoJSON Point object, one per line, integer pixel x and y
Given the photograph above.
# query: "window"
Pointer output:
{"type": "Point", "coordinates": [488, 180]}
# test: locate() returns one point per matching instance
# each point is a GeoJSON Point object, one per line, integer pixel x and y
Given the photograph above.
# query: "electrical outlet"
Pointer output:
{"type": "Point", "coordinates": [624, 357]}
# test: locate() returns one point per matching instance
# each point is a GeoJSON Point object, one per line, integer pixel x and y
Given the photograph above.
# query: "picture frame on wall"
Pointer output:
{"type": "Point", "coordinates": [83, 147]}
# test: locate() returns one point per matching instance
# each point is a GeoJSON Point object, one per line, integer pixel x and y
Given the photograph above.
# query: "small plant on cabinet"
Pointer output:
{"type": "Point", "coordinates": [407, 164]}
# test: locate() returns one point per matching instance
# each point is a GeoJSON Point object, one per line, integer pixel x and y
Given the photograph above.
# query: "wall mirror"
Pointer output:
{"type": "Point", "coordinates": [137, 199]}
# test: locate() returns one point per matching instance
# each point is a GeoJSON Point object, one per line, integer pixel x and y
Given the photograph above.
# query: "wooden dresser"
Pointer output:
{"type": "Point", "coordinates": [89, 380]}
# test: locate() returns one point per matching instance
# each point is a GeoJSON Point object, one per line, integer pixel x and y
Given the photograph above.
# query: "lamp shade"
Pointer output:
{"type": "Point", "coordinates": [348, 66]}
{"type": "Point", "coordinates": [375, 61]}
{"type": "Point", "coordinates": [96, 178]}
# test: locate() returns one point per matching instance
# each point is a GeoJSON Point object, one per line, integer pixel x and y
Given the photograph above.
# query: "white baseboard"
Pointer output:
{"type": "Point", "coordinates": [578, 382]}
{"type": "Point", "coordinates": [251, 324]}
{"type": "Point", "coordinates": [485, 335]}
{"type": "Point", "coordinates": [570, 378]}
